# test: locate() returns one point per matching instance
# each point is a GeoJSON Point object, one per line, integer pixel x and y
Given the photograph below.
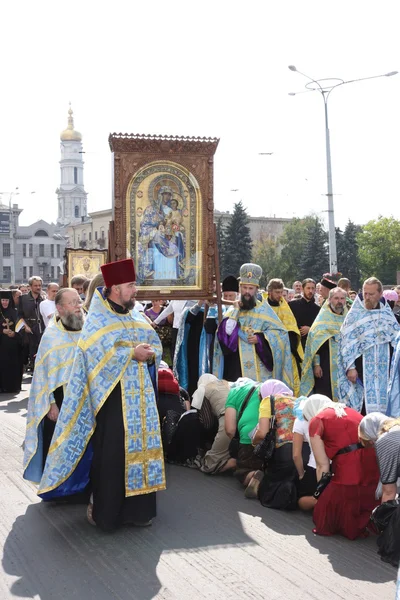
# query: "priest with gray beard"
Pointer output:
{"type": "Point", "coordinates": [54, 362]}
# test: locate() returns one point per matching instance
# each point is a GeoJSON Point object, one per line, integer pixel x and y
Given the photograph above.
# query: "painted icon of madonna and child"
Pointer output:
{"type": "Point", "coordinates": [161, 241]}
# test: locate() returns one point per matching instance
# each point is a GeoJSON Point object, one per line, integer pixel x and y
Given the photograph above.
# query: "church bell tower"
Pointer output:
{"type": "Point", "coordinates": [72, 198]}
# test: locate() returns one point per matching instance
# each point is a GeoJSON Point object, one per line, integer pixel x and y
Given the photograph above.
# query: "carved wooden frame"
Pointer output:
{"type": "Point", "coordinates": [131, 153]}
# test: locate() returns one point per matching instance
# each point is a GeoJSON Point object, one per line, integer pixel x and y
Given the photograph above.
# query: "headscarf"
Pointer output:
{"type": "Point", "coordinates": [272, 387]}
{"type": "Point", "coordinates": [371, 425]}
{"type": "Point", "coordinates": [198, 396]}
{"type": "Point", "coordinates": [298, 407]}
{"type": "Point", "coordinates": [318, 402]}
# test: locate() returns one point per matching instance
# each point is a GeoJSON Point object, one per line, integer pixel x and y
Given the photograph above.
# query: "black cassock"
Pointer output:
{"type": "Point", "coordinates": [323, 384]}
{"type": "Point", "coordinates": [10, 353]}
{"type": "Point", "coordinates": [305, 312]}
{"type": "Point", "coordinates": [110, 506]}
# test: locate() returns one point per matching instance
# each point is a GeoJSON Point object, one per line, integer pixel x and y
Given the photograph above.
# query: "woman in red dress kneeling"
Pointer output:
{"type": "Point", "coordinates": [346, 504]}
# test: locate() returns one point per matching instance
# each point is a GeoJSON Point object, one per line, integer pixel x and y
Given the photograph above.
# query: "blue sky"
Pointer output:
{"type": "Point", "coordinates": [214, 69]}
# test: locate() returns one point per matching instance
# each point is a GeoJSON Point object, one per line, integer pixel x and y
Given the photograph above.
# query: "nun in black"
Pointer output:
{"type": "Point", "coordinates": [10, 346]}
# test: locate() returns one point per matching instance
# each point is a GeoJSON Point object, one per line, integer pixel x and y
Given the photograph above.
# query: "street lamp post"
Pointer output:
{"type": "Point", "coordinates": [325, 91]}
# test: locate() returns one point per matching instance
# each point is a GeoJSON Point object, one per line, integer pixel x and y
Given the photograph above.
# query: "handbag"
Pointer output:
{"type": "Point", "coordinates": [266, 447]}
{"type": "Point", "coordinates": [169, 427]}
{"type": "Point", "coordinates": [234, 443]}
{"type": "Point", "coordinates": [382, 514]}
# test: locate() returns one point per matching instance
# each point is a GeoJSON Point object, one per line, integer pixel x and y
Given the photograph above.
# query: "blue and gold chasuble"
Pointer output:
{"type": "Point", "coordinates": [180, 363]}
{"type": "Point", "coordinates": [262, 319]}
{"type": "Point", "coordinates": [325, 327]}
{"type": "Point", "coordinates": [104, 358]}
{"type": "Point", "coordinates": [53, 367]}
{"type": "Point", "coordinates": [287, 317]}
{"type": "Point", "coordinates": [366, 333]}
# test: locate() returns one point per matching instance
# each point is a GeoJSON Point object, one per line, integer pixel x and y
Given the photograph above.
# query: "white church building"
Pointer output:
{"type": "Point", "coordinates": [38, 249]}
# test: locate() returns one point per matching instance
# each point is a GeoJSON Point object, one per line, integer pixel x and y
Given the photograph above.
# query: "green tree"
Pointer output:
{"type": "Point", "coordinates": [293, 243]}
{"type": "Point", "coordinates": [238, 247]}
{"type": "Point", "coordinates": [379, 249]}
{"type": "Point", "coordinates": [266, 254]}
{"type": "Point", "coordinates": [314, 260]}
{"type": "Point", "coordinates": [221, 238]}
{"type": "Point", "coordinates": [348, 253]}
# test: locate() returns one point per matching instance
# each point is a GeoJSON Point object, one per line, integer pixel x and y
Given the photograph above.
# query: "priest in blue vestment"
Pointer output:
{"type": "Point", "coordinates": [108, 430]}
{"type": "Point", "coordinates": [366, 342]}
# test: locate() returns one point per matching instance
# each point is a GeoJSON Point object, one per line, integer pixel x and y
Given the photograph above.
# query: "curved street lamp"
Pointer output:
{"type": "Point", "coordinates": [325, 87]}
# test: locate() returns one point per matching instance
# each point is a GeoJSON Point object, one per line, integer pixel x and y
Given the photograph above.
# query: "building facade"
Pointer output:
{"type": "Point", "coordinates": [261, 228]}
{"type": "Point", "coordinates": [38, 249]}
{"type": "Point", "coordinates": [91, 233]}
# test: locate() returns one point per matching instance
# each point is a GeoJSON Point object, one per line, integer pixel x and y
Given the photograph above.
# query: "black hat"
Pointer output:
{"type": "Point", "coordinates": [230, 284]}
{"type": "Point", "coordinates": [328, 283]}
{"type": "Point", "coordinates": [6, 294]}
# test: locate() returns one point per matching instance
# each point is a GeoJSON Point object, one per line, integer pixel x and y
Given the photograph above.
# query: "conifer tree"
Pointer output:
{"type": "Point", "coordinates": [238, 247]}
{"type": "Point", "coordinates": [315, 261]}
{"type": "Point", "coordinates": [348, 255]}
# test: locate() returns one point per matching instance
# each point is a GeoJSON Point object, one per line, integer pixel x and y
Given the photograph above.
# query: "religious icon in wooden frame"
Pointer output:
{"type": "Point", "coordinates": [84, 262]}
{"type": "Point", "coordinates": [166, 221]}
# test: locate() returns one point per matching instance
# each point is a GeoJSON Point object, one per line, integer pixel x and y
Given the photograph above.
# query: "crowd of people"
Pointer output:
{"type": "Point", "coordinates": [295, 392]}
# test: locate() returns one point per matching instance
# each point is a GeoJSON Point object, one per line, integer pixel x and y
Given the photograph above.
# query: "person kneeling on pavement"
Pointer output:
{"type": "Point", "coordinates": [241, 417]}
{"type": "Point", "coordinates": [215, 392]}
{"type": "Point", "coordinates": [276, 418]}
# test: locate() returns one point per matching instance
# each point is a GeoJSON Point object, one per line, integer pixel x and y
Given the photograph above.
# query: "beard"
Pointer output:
{"type": "Point", "coordinates": [129, 304]}
{"type": "Point", "coordinates": [73, 321]}
{"type": "Point", "coordinates": [338, 309]}
{"type": "Point", "coordinates": [248, 302]}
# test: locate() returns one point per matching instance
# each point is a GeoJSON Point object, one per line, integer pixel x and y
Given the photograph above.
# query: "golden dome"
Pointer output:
{"type": "Point", "coordinates": [70, 134]}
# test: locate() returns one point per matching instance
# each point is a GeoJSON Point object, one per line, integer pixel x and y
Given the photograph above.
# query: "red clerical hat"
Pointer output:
{"type": "Point", "coordinates": [121, 271]}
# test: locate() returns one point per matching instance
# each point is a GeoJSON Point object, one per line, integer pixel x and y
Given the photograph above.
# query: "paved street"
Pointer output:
{"type": "Point", "coordinates": [208, 541]}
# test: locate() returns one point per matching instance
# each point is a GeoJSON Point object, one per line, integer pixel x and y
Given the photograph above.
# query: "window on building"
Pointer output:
{"type": "Point", "coordinates": [41, 249]}
{"type": "Point", "coordinates": [102, 234]}
{"type": "Point", "coordinates": [7, 274]}
{"type": "Point", "coordinates": [58, 251]}
{"type": "Point", "coordinates": [84, 235]}
{"type": "Point", "coordinates": [58, 272]}
{"type": "Point", "coordinates": [41, 233]}
{"type": "Point", "coordinates": [52, 273]}
{"type": "Point", "coordinates": [90, 236]}
{"type": "Point", "coordinates": [52, 250]}
{"type": "Point", "coordinates": [23, 249]}
{"type": "Point", "coordinates": [30, 250]}
{"type": "Point", "coordinates": [6, 249]}
{"type": "Point", "coordinates": [95, 235]}
{"type": "Point", "coordinates": [24, 275]}
{"type": "Point", "coordinates": [75, 174]}
{"type": "Point", "coordinates": [30, 271]}
{"type": "Point", "coordinates": [76, 212]}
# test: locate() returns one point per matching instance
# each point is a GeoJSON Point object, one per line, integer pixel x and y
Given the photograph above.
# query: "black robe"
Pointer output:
{"type": "Point", "coordinates": [110, 506]}
{"type": "Point", "coordinates": [305, 313]}
{"type": "Point", "coordinates": [11, 367]}
{"type": "Point", "coordinates": [323, 384]}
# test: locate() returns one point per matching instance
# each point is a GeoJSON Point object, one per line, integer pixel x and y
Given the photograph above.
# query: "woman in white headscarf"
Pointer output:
{"type": "Point", "coordinates": [345, 505]}
{"type": "Point", "coordinates": [383, 433]}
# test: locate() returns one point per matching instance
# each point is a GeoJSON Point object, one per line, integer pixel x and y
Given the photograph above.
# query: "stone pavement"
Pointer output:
{"type": "Point", "coordinates": [208, 541]}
